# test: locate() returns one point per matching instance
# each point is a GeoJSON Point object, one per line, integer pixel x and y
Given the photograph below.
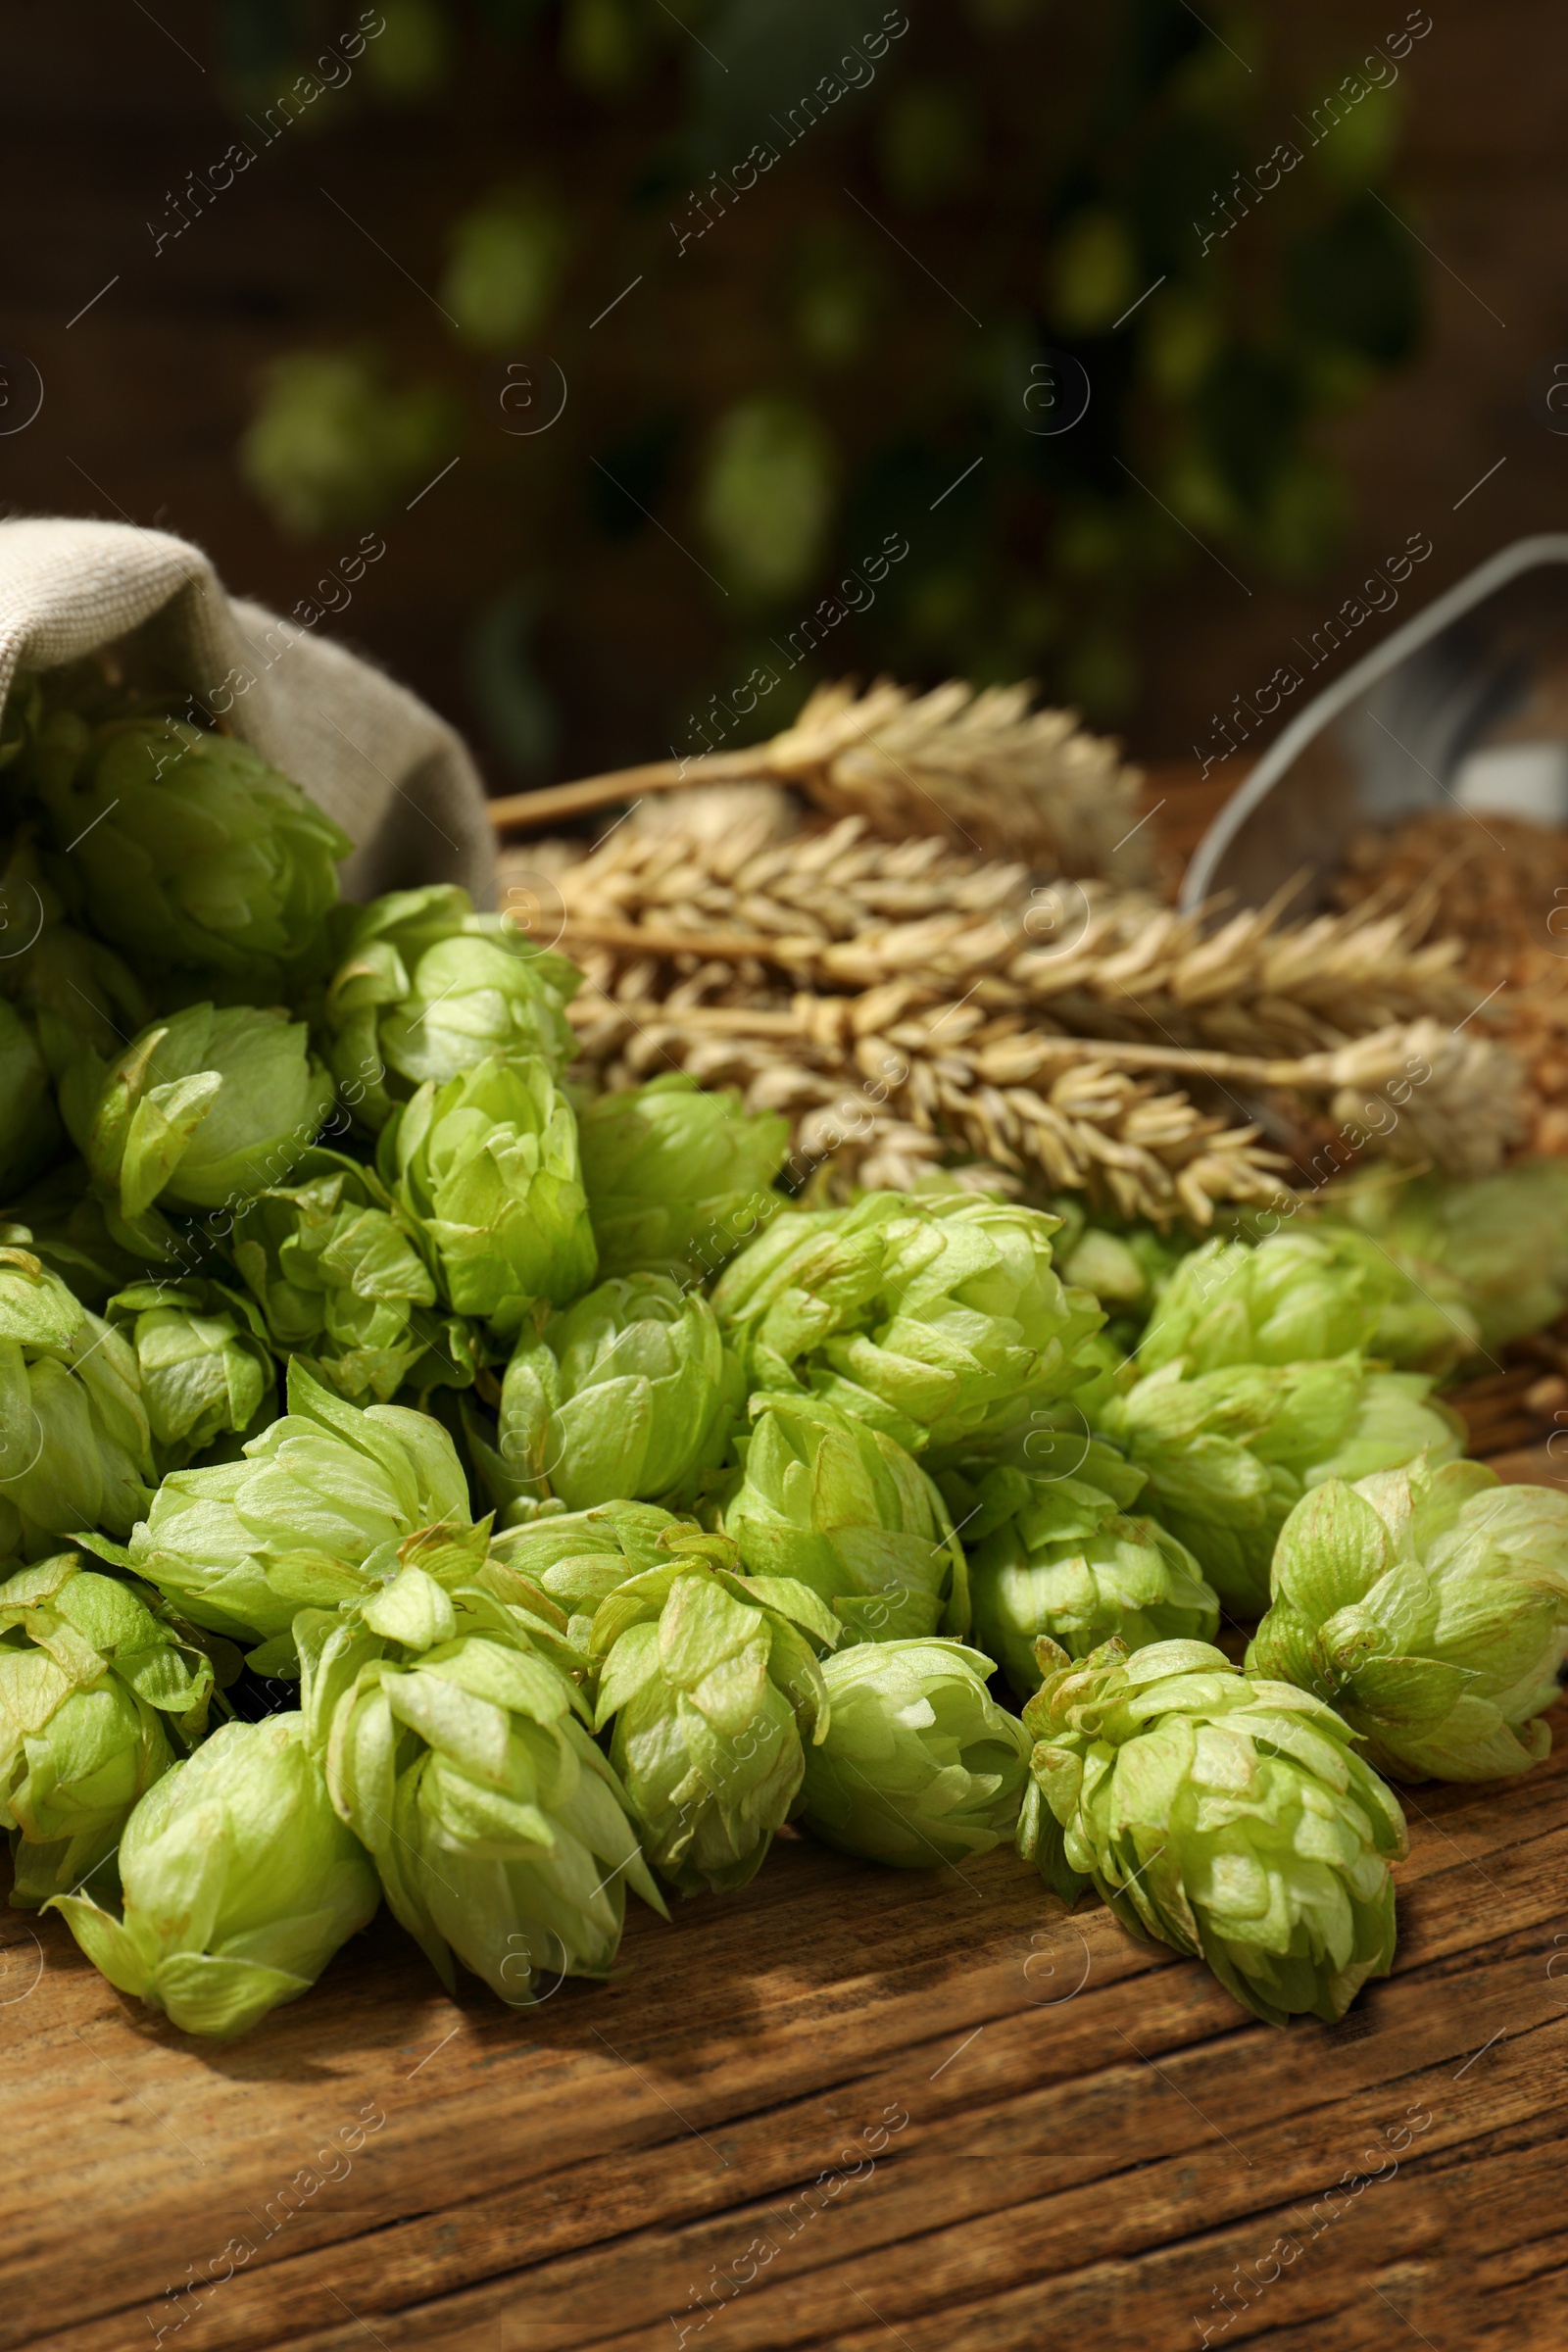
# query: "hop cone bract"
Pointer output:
{"type": "Point", "coordinates": [238, 1884]}
{"type": "Point", "coordinates": [919, 1764]}
{"type": "Point", "coordinates": [1221, 1814]}
{"type": "Point", "coordinates": [1429, 1606]}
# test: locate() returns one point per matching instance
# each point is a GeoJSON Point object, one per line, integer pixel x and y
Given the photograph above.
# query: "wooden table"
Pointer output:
{"type": "Point", "coordinates": [850, 2107]}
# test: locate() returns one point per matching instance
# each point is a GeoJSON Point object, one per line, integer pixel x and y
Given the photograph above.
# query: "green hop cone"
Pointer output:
{"type": "Point", "coordinates": [1226, 1816]}
{"type": "Point", "coordinates": [712, 1682]}
{"type": "Point", "coordinates": [677, 1179]}
{"type": "Point", "coordinates": [627, 1394]}
{"type": "Point", "coordinates": [486, 1166]}
{"type": "Point", "coordinates": [426, 987]}
{"type": "Point", "coordinates": [843, 1509]}
{"type": "Point", "coordinates": [1057, 1555]}
{"type": "Point", "coordinates": [340, 1283]}
{"type": "Point", "coordinates": [238, 1884]}
{"type": "Point", "coordinates": [1229, 1454]}
{"type": "Point", "coordinates": [579, 1557]}
{"type": "Point", "coordinates": [191, 852]}
{"type": "Point", "coordinates": [457, 1747]}
{"type": "Point", "coordinates": [76, 1448]}
{"type": "Point", "coordinates": [92, 1689]}
{"type": "Point", "coordinates": [1492, 1254]}
{"type": "Point", "coordinates": [203, 1364]}
{"type": "Point", "coordinates": [317, 1511]}
{"type": "Point", "coordinates": [937, 1319]}
{"type": "Point", "coordinates": [30, 1125]}
{"type": "Point", "coordinates": [1429, 1607]}
{"type": "Point", "coordinates": [201, 1111]}
{"type": "Point", "coordinates": [918, 1765]}
{"type": "Point", "coordinates": [1298, 1296]}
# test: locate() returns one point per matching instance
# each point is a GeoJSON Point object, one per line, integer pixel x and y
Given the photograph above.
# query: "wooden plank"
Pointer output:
{"type": "Point", "coordinates": [935, 2098]}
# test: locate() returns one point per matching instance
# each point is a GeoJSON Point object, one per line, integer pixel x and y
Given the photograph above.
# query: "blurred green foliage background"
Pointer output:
{"type": "Point", "coordinates": [972, 217]}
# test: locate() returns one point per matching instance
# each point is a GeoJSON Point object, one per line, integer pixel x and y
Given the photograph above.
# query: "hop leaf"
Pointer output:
{"type": "Point", "coordinates": [1220, 1814]}
{"type": "Point", "coordinates": [917, 1765]}
{"type": "Point", "coordinates": [1429, 1606]}
{"type": "Point", "coordinates": [239, 1884]}
{"type": "Point", "coordinates": [92, 1690]}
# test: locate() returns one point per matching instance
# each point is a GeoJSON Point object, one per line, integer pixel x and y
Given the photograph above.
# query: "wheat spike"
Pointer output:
{"type": "Point", "coordinates": [842, 909]}
{"type": "Point", "coordinates": [976, 769]}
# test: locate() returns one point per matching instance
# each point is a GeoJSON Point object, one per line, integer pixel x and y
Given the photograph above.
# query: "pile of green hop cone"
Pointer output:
{"type": "Point", "coordinates": [421, 1480]}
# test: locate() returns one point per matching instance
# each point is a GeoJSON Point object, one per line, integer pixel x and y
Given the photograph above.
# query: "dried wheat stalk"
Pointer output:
{"type": "Point", "coordinates": [842, 910]}
{"type": "Point", "coordinates": [976, 769]}
{"type": "Point", "coordinates": [1015, 1094]}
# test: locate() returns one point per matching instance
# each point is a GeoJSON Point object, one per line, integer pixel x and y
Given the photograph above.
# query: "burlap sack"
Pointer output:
{"type": "Point", "coordinates": [396, 778]}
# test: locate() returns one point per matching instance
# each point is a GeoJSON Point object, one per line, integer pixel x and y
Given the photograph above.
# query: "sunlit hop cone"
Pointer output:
{"type": "Point", "coordinates": [1229, 1454]}
{"type": "Point", "coordinates": [919, 1764]}
{"type": "Point", "coordinates": [315, 1511]}
{"type": "Point", "coordinates": [457, 1747]}
{"type": "Point", "coordinates": [1057, 1554]}
{"type": "Point", "coordinates": [339, 1282]}
{"type": "Point", "coordinates": [1299, 1297]}
{"type": "Point", "coordinates": [201, 1111]}
{"type": "Point", "coordinates": [1307, 1292]}
{"type": "Point", "coordinates": [1429, 1606]}
{"type": "Point", "coordinates": [205, 1370]}
{"type": "Point", "coordinates": [711, 1684]}
{"type": "Point", "coordinates": [1492, 1254]}
{"type": "Point", "coordinates": [627, 1394]}
{"type": "Point", "coordinates": [426, 987]}
{"type": "Point", "coordinates": [579, 1557]}
{"type": "Point", "coordinates": [76, 1449]}
{"type": "Point", "coordinates": [677, 1179]}
{"type": "Point", "coordinates": [238, 1884]}
{"type": "Point", "coordinates": [96, 1699]}
{"type": "Point", "coordinates": [845, 1510]}
{"type": "Point", "coordinates": [938, 1319]}
{"type": "Point", "coordinates": [191, 851]}
{"type": "Point", "coordinates": [487, 1166]}
{"type": "Point", "coordinates": [1224, 1815]}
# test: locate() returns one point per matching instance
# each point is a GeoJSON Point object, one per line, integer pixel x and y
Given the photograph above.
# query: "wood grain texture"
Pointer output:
{"type": "Point", "coordinates": [850, 2107]}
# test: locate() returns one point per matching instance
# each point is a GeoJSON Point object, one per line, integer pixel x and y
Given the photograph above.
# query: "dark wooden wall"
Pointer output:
{"type": "Point", "coordinates": [102, 110]}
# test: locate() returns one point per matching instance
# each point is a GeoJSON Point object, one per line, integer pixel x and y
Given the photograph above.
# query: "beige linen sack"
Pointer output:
{"type": "Point", "coordinates": [396, 778]}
